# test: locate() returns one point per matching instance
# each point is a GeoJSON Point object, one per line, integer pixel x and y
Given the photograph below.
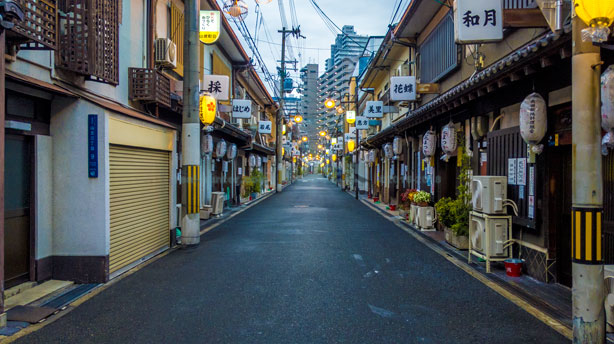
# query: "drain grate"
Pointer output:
{"type": "Point", "coordinates": [70, 296]}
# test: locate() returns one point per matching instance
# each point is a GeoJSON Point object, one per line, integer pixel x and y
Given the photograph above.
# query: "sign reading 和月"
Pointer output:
{"type": "Point", "coordinates": [374, 109]}
{"type": "Point", "coordinates": [216, 85]}
{"type": "Point", "coordinates": [478, 21]}
{"type": "Point", "coordinates": [402, 88]}
{"type": "Point", "coordinates": [209, 26]}
{"type": "Point", "coordinates": [241, 108]}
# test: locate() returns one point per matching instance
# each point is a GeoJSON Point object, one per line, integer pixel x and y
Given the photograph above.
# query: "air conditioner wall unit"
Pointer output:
{"type": "Point", "coordinates": [490, 237]}
{"type": "Point", "coordinates": [217, 202]}
{"type": "Point", "coordinates": [165, 53]}
{"type": "Point", "coordinates": [488, 194]}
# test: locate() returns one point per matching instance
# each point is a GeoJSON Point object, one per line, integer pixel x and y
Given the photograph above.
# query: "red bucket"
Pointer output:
{"type": "Point", "coordinates": [513, 267]}
{"type": "Point", "coordinates": [393, 207]}
{"type": "Point", "coordinates": [375, 199]}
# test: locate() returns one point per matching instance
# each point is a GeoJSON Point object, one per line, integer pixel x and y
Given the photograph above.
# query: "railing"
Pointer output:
{"type": "Point", "coordinates": [518, 4]}
{"type": "Point", "coordinates": [439, 53]}
{"type": "Point", "coordinates": [89, 39]}
{"type": "Point", "coordinates": [38, 30]}
{"type": "Point", "coordinates": [149, 86]}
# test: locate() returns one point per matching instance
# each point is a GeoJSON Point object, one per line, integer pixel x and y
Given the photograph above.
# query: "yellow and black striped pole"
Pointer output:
{"type": "Point", "coordinates": [192, 187]}
{"type": "Point", "coordinates": [587, 195]}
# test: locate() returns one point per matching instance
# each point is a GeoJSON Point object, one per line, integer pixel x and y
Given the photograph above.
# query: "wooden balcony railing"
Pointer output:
{"type": "Point", "coordinates": [149, 86]}
{"type": "Point", "coordinates": [89, 39]}
{"type": "Point", "coordinates": [38, 30]}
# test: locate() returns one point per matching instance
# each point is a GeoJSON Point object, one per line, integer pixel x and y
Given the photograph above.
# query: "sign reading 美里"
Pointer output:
{"type": "Point", "coordinates": [209, 26]}
{"type": "Point", "coordinates": [374, 109]}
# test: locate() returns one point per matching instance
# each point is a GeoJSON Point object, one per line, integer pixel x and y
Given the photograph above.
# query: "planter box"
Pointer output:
{"type": "Point", "coordinates": [458, 241]}
{"type": "Point", "coordinates": [205, 212]}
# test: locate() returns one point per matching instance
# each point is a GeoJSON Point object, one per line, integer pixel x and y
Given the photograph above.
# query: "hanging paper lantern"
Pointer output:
{"type": "Point", "coordinates": [207, 109]}
{"type": "Point", "coordinates": [388, 151]}
{"type": "Point", "coordinates": [258, 161]}
{"type": "Point", "coordinates": [220, 149]}
{"type": "Point", "coordinates": [252, 160]}
{"type": "Point", "coordinates": [428, 143]}
{"type": "Point", "coordinates": [236, 9]}
{"type": "Point", "coordinates": [449, 139]}
{"type": "Point", "coordinates": [397, 145]}
{"type": "Point", "coordinates": [607, 143]}
{"type": "Point", "coordinates": [607, 99]}
{"type": "Point", "coordinates": [351, 145]}
{"type": "Point", "coordinates": [533, 119]}
{"type": "Point", "coordinates": [231, 152]}
{"type": "Point", "coordinates": [206, 145]}
{"type": "Point", "coordinates": [372, 156]}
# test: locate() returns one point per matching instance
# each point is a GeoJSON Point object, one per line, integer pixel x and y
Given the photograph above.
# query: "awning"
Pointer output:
{"type": "Point", "coordinates": [30, 81]}
{"type": "Point", "coordinates": [229, 132]}
{"type": "Point", "coordinates": [263, 149]}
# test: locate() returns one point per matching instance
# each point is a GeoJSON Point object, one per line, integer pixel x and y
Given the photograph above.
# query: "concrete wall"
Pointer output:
{"type": "Point", "coordinates": [80, 204]}
{"type": "Point", "coordinates": [44, 196]}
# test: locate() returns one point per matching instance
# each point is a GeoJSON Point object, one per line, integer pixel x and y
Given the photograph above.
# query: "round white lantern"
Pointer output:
{"type": "Point", "coordinates": [388, 151]}
{"type": "Point", "coordinates": [231, 152]}
{"type": "Point", "coordinates": [607, 99]}
{"type": "Point", "coordinates": [258, 161]}
{"type": "Point", "coordinates": [252, 160]}
{"type": "Point", "coordinates": [206, 145]}
{"type": "Point", "coordinates": [397, 145]}
{"type": "Point", "coordinates": [428, 143]}
{"type": "Point", "coordinates": [220, 149]}
{"type": "Point", "coordinates": [533, 119]}
{"type": "Point", "coordinates": [448, 139]}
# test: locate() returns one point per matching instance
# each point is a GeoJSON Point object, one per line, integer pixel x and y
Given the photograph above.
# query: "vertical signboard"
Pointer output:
{"type": "Point", "coordinates": [92, 145]}
{"type": "Point", "coordinates": [209, 26]}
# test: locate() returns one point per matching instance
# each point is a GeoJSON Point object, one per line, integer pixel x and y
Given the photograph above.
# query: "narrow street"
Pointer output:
{"type": "Point", "coordinates": [310, 265]}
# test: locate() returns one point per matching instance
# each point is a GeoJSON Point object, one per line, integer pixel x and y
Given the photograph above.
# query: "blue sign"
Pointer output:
{"type": "Point", "coordinates": [92, 145]}
{"type": "Point", "coordinates": [374, 122]}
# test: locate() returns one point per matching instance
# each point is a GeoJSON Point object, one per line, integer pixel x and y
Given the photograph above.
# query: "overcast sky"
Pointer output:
{"type": "Point", "coordinates": [369, 17]}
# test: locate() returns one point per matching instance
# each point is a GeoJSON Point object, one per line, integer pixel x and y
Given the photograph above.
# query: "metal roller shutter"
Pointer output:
{"type": "Point", "coordinates": [140, 198]}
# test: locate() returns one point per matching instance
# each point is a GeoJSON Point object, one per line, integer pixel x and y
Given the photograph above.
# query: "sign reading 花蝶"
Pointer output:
{"type": "Point", "coordinates": [209, 26]}
{"type": "Point", "coordinates": [478, 21]}
{"type": "Point", "coordinates": [265, 127]}
{"type": "Point", "coordinates": [241, 108]}
{"type": "Point", "coordinates": [216, 86]}
{"type": "Point", "coordinates": [362, 123]}
{"type": "Point", "coordinates": [374, 109]}
{"type": "Point", "coordinates": [403, 88]}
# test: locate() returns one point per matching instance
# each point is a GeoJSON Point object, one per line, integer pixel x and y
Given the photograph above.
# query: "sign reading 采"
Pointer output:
{"type": "Point", "coordinates": [92, 145]}
{"type": "Point", "coordinates": [209, 26]}
{"type": "Point", "coordinates": [362, 123]}
{"type": "Point", "coordinates": [241, 108]}
{"type": "Point", "coordinates": [478, 21]}
{"type": "Point", "coordinates": [511, 171]}
{"type": "Point", "coordinates": [217, 86]}
{"type": "Point", "coordinates": [403, 88]}
{"type": "Point", "coordinates": [265, 127]}
{"type": "Point", "coordinates": [374, 109]}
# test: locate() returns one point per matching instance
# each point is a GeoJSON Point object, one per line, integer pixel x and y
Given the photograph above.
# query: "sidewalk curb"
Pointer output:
{"type": "Point", "coordinates": [503, 290]}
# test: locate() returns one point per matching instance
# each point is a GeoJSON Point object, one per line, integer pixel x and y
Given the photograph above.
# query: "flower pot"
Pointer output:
{"type": "Point", "coordinates": [423, 204]}
{"type": "Point", "coordinates": [393, 207]}
{"type": "Point", "coordinates": [461, 242]}
{"type": "Point", "coordinates": [375, 199]}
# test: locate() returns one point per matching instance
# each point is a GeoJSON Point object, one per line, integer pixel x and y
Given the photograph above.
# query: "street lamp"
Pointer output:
{"type": "Point", "coordinates": [305, 138]}
{"type": "Point", "coordinates": [298, 118]}
{"type": "Point", "coordinates": [323, 133]}
{"type": "Point", "coordinates": [598, 15]}
{"type": "Point", "coordinates": [340, 109]}
{"type": "Point", "coordinates": [329, 103]}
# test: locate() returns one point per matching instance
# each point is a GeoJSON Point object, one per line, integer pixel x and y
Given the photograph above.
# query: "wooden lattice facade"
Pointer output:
{"type": "Point", "coordinates": [89, 39]}
{"type": "Point", "coordinates": [149, 86]}
{"type": "Point", "coordinates": [38, 30]}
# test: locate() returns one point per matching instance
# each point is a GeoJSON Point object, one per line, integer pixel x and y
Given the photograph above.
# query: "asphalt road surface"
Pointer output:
{"type": "Point", "coordinates": [310, 265]}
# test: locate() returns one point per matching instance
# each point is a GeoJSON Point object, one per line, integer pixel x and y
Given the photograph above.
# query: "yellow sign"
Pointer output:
{"type": "Point", "coordinates": [209, 23]}
{"type": "Point", "coordinates": [207, 109]}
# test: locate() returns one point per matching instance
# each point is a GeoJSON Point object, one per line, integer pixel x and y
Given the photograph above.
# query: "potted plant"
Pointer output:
{"type": "Point", "coordinates": [422, 198]}
{"type": "Point", "coordinates": [454, 214]}
{"type": "Point", "coordinates": [405, 202]}
{"type": "Point", "coordinates": [256, 181]}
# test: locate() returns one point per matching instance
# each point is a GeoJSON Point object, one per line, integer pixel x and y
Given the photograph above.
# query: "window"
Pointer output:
{"type": "Point", "coordinates": [517, 4]}
{"type": "Point", "coordinates": [176, 35]}
{"type": "Point", "coordinates": [439, 53]}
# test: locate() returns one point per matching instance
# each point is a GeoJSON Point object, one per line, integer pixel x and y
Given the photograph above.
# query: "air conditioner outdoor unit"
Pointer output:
{"type": "Point", "coordinates": [425, 218]}
{"type": "Point", "coordinates": [165, 53]}
{"type": "Point", "coordinates": [217, 202]}
{"type": "Point", "coordinates": [488, 194]}
{"type": "Point", "coordinates": [489, 237]}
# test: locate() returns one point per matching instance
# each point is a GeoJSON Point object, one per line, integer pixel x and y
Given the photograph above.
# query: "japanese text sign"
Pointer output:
{"type": "Point", "coordinates": [217, 86]}
{"type": "Point", "coordinates": [92, 145]}
{"type": "Point", "coordinates": [209, 26]}
{"type": "Point", "coordinates": [402, 88]}
{"type": "Point", "coordinates": [241, 108]}
{"type": "Point", "coordinates": [374, 109]}
{"type": "Point", "coordinates": [265, 127]}
{"type": "Point", "coordinates": [478, 21]}
{"type": "Point", "coordinates": [362, 123]}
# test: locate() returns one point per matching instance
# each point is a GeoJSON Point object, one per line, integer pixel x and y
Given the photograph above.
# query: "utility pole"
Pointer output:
{"type": "Point", "coordinates": [282, 73]}
{"type": "Point", "coordinates": [190, 130]}
{"type": "Point", "coordinates": [357, 149]}
{"type": "Point", "coordinates": [587, 196]}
